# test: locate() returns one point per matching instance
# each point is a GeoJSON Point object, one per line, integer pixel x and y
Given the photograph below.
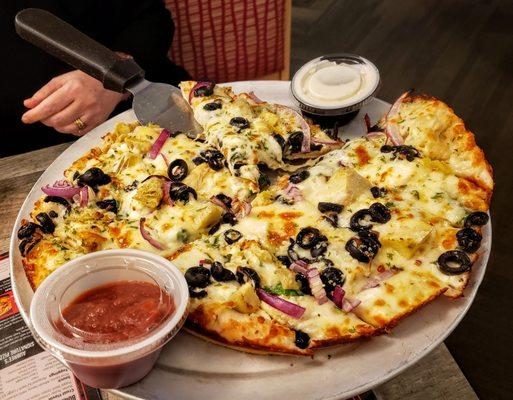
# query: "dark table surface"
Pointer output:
{"type": "Point", "coordinates": [462, 52]}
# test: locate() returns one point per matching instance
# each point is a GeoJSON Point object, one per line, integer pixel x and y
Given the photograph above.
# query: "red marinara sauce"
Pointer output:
{"type": "Point", "coordinates": [116, 312]}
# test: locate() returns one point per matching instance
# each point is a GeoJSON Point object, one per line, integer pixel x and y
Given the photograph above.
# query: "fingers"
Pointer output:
{"type": "Point", "coordinates": [51, 105]}
{"type": "Point", "coordinates": [64, 117]}
{"type": "Point", "coordinates": [44, 92]}
{"type": "Point", "coordinates": [90, 121]}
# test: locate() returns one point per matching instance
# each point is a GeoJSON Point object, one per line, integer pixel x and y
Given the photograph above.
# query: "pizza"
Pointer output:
{"type": "Point", "coordinates": [290, 240]}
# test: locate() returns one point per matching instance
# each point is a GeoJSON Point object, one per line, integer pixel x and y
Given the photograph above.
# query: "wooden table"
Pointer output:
{"type": "Point", "coordinates": [435, 377]}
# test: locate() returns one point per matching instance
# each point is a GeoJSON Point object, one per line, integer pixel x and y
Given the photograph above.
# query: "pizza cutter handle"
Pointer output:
{"type": "Point", "coordinates": [68, 44]}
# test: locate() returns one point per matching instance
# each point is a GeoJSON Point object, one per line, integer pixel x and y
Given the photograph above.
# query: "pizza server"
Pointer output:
{"type": "Point", "coordinates": [157, 103]}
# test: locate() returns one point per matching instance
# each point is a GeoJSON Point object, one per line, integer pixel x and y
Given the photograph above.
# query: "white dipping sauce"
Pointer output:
{"type": "Point", "coordinates": [330, 84]}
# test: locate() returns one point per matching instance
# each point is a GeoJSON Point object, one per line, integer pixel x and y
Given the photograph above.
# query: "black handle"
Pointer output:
{"type": "Point", "coordinates": [63, 41]}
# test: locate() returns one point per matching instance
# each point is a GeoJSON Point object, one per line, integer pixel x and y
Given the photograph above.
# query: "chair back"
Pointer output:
{"type": "Point", "coordinates": [232, 40]}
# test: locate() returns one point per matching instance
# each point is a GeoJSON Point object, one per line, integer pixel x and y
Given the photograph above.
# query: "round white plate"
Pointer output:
{"type": "Point", "coordinates": [190, 368]}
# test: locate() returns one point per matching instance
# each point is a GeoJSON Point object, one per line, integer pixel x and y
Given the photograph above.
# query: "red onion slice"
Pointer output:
{"type": "Point", "coordinates": [245, 209]}
{"type": "Point", "coordinates": [165, 159]}
{"type": "Point", "coordinates": [300, 269]}
{"type": "Point", "coordinates": [218, 202]}
{"type": "Point", "coordinates": [316, 286]}
{"type": "Point", "coordinates": [291, 309]}
{"type": "Point", "coordinates": [157, 146]}
{"type": "Point", "coordinates": [383, 276]}
{"type": "Point", "coordinates": [293, 192]}
{"type": "Point", "coordinates": [324, 141]}
{"type": "Point", "coordinates": [254, 97]}
{"type": "Point", "coordinates": [196, 87]}
{"type": "Point", "coordinates": [61, 191]}
{"type": "Point", "coordinates": [370, 283]}
{"type": "Point", "coordinates": [84, 196]}
{"type": "Point", "coordinates": [146, 235]}
{"type": "Point", "coordinates": [349, 304]}
{"type": "Point", "coordinates": [167, 199]}
{"type": "Point", "coordinates": [391, 126]}
{"type": "Point", "coordinates": [338, 296]}
{"type": "Point", "coordinates": [367, 121]}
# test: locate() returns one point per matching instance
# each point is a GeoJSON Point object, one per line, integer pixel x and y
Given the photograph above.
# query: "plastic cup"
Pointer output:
{"type": "Point", "coordinates": [329, 117]}
{"type": "Point", "coordinates": [107, 365]}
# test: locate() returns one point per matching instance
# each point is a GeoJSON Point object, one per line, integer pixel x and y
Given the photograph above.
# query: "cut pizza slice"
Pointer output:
{"type": "Point", "coordinates": [251, 133]}
{"type": "Point", "coordinates": [242, 295]}
{"type": "Point", "coordinates": [432, 127]}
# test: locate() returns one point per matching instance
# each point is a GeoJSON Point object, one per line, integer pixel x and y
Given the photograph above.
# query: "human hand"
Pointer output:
{"type": "Point", "coordinates": [66, 98]}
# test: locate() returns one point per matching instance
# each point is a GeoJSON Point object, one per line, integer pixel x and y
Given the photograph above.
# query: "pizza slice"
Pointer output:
{"type": "Point", "coordinates": [251, 133]}
{"type": "Point", "coordinates": [243, 296]}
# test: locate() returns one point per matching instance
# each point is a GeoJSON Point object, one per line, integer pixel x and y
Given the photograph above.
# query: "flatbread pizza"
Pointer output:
{"type": "Point", "coordinates": [290, 240]}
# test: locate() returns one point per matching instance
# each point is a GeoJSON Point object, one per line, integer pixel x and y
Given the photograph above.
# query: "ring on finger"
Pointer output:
{"type": "Point", "coordinates": [81, 125]}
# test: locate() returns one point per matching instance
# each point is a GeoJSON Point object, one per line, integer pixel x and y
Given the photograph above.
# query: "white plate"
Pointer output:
{"type": "Point", "coordinates": [190, 368]}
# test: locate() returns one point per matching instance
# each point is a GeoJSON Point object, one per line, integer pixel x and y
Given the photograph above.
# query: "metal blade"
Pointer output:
{"type": "Point", "coordinates": [163, 104]}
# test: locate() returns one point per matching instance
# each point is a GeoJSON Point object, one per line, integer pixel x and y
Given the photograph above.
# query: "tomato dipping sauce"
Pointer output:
{"type": "Point", "coordinates": [115, 312]}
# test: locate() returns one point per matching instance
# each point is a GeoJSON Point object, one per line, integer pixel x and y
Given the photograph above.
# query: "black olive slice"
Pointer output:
{"type": "Point", "coordinates": [28, 244]}
{"type": "Point", "coordinates": [477, 218]}
{"type": "Point", "coordinates": [362, 248]}
{"type": "Point", "coordinates": [454, 262]}
{"type": "Point", "coordinates": [197, 277]}
{"type": "Point", "coordinates": [361, 220]}
{"type": "Point", "coordinates": [378, 192]}
{"type": "Point", "coordinates": [132, 186]}
{"type": "Point", "coordinates": [302, 339]}
{"type": "Point", "coordinates": [198, 160]}
{"type": "Point", "coordinates": [108, 205]}
{"type": "Point", "coordinates": [303, 281]}
{"type": "Point", "coordinates": [59, 200]}
{"type": "Point", "coordinates": [245, 274]}
{"type": "Point", "coordinates": [332, 219]}
{"type": "Point", "coordinates": [214, 228]}
{"type": "Point", "coordinates": [320, 247]}
{"type": "Point", "coordinates": [285, 260]}
{"type": "Point", "coordinates": [27, 230]}
{"type": "Point", "coordinates": [387, 148]}
{"type": "Point", "coordinates": [291, 252]}
{"type": "Point", "coordinates": [197, 294]}
{"type": "Point", "coordinates": [177, 170]}
{"type": "Point", "coordinates": [469, 239]}
{"type": "Point", "coordinates": [46, 223]}
{"type": "Point", "coordinates": [409, 152]}
{"type": "Point", "coordinates": [294, 141]}
{"type": "Point", "coordinates": [239, 122]}
{"type": "Point", "coordinates": [93, 177]}
{"type": "Point", "coordinates": [214, 158]}
{"type": "Point", "coordinates": [325, 207]}
{"type": "Point", "coordinates": [280, 140]}
{"type": "Point", "coordinates": [380, 213]}
{"type": "Point", "coordinates": [299, 176]}
{"type": "Point", "coordinates": [226, 200]}
{"type": "Point", "coordinates": [221, 274]}
{"type": "Point", "coordinates": [231, 236]}
{"type": "Point", "coordinates": [229, 218]}
{"type": "Point", "coordinates": [215, 105]}
{"type": "Point", "coordinates": [203, 91]}
{"type": "Point", "coordinates": [308, 237]}
{"type": "Point", "coordinates": [332, 277]}
{"type": "Point", "coordinates": [179, 191]}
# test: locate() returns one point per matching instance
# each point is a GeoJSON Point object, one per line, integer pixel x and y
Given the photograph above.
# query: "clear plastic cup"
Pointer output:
{"type": "Point", "coordinates": [96, 363]}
